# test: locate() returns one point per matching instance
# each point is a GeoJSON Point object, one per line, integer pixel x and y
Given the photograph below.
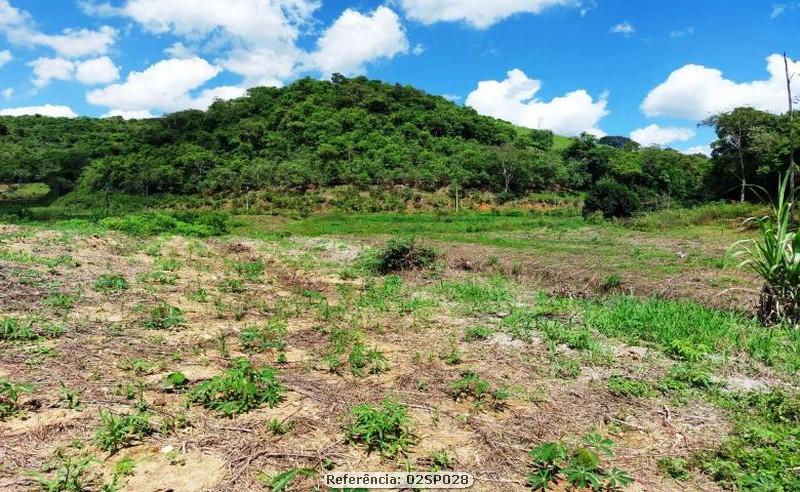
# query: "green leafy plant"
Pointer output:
{"type": "Point", "coordinates": [625, 386]}
{"type": "Point", "coordinates": [109, 283]}
{"type": "Point", "coordinates": [474, 333]}
{"type": "Point", "coordinates": [120, 431]}
{"type": "Point", "coordinates": [383, 428]}
{"type": "Point", "coordinates": [773, 256]}
{"type": "Point", "coordinates": [281, 481]}
{"type": "Point", "coordinates": [269, 336]}
{"type": "Point", "coordinates": [60, 300]}
{"type": "Point", "coordinates": [65, 473]}
{"type": "Point", "coordinates": [363, 360]}
{"type": "Point", "coordinates": [10, 393]}
{"type": "Point", "coordinates": [175, 381]}
{"type": "Point", "coordinates": [280, 427]}
{"type": "Point", "coordinates": [239, 389]}
{"type": "Point", "coordinates": [473, 387]}
{"type": "Point", "coordinates": [71, 397]}
{"type": "Point", "coordinates": [164, 317]}
{"type": "Point", "coordinates": [401, 254]}
{"type": "Point", "coordinates": [579, 465]}
{"type": "Point", "coordinates": [16, 330]}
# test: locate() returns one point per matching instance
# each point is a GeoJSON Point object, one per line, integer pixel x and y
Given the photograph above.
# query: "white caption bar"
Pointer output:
{"type": "Point", "coordinates": [395, 480]}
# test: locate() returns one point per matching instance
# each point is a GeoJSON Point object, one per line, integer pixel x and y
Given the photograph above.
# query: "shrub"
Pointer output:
{"type": "Point", "coordinates": [120, 431]}
{"type": "Point", "coordinates": [612, 199]}
{"type": "Point", "coordinates": [239, 389]}
{"type": "Point", "coordinates": [383, 428]}
{"type": "Point", "coordinates": [403, 254]}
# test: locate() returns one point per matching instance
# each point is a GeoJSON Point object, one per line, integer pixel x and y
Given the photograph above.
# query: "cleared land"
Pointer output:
{"type": "Point", "coordinates": [530, 329]}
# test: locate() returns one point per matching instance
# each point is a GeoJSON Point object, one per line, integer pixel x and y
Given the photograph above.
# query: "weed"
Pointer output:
{"type": "Point", "coordinates": [579, 465]}
{"type": "Point", "coordinates": [250, 270]}
{"type": "Point", "coordinates": [279, 427]}
{"type": "Point", "coordinates": [69, 474]}
{"type": "Point", "coordinates": [16, 330]}
{"type": "Point", "coordinates": [441, 460]}
{"type": "Point", "coordinates": [611, 282]}
{"type": "Point", "coordinates": [199, 295]}
{"type": "Point", "coordinates": [625, 386]}
{"type": "Point", "coordinates": [472, 387]}
{"type": "Point", "coordinates": [163, 317]}
{"type": "Point", "coordinates": [120, 431]}
{"type": "Point", "coordinates": [70, 397]}
{"type": "Point", "coordinates": [281, 481]}
{"type": "Point", "coordinates": [363, 360]}
{"type": "Point", "coordinates": [239, 389]}
{"type": "Point", "coordinates": [677, 468]}
{"type": "Point", "coordinates": [158, 277]}
{"type": "Point", "coordinates": [403, 254]}
{"type": "Point", "coordinates": [269, 336]}
{"type": "Point", "coordinates": [383, 428]}
{"type": "Point", "coordinates": [60, 300]}
{"type": "Point", "coordinates": [474, 333]}
{"type": "Point", "coordinates": [109, 283]}
{"type": "Point", "coordinates": [9, 397]}
{"type": "Point", "coordinates": [687, 376]}
{"type": "Point", "coordinates": [140, 366]}
{"type": "Point", "coordinates": [175, 381]}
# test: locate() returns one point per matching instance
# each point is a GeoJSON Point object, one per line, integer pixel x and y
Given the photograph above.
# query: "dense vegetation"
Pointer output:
{"type": "Point", "coordinates": [366, 134]}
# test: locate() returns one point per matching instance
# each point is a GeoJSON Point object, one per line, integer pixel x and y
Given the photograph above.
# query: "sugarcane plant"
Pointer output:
{"type": "Point", "coordinates": [774, 255]}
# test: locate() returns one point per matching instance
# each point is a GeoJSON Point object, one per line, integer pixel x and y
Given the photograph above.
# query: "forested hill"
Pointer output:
{"type": "Point", "coordinates": [316, 134]}
{"type": "Point", "coordinates": [311, 133]}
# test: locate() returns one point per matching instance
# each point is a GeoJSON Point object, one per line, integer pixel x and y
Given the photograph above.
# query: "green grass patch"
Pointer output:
{"type": "Point", "coordinates": [240, 389]}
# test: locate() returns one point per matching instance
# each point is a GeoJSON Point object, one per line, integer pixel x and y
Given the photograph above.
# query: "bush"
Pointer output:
{"type": "Point", "coordinates": [239, 389]}
{"type": "Point", "coordinates": [186, 223]}
{"type": "Point", "coordinates": [612, 199]}
{"type": "Point", "coordinates": [403, 254]}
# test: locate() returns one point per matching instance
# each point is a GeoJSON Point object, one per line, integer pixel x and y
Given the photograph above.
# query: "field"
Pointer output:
{"type": "Point", "coordinates": [259, 359]}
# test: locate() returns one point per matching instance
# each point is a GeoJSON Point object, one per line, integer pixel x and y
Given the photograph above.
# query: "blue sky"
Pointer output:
{"type": "Point", "coordinates": [646, 69]}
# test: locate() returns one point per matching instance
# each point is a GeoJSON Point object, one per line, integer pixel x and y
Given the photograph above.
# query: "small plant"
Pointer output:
{"type": "Point", "coordinates": [441, 460]}
{"type": "Point", "coordinates": [120, 431]}
{"type": "Point", "coordinates": [265, 337]}
{"type": "Point", "coordinates": [239, 389]}
{"type": "Point", "coordinates": [686, 376]}
{"type": "Point", "coordinates": [403, 254]}
{"type": "Point", "coordinates": [472, 387]}
{"type": "Point", "coordinates": [611, 282]}
{"type": "Point", "coordinates": [140, 366]}
{"type": "Point", "coordinates": [250, 270]}
{"type": "Point", "coordinates": [363, 360]}
{"type": "Point", "coordinates": [231, 286]}
{"type": "Point", "coordinates": [60, 300]}
{"type": "Point", "coordinates": [9, 397]}
{"type": "Point", "coordinates": [281, 481]}
{"type": "Point", "coordinates": [624, 386]}
{"type": "Point", "coordinates": [175, 381]}
{"type": "Point", "coordinates": [677, 468]}
{"type": "Point", "coordinates": [687, 350]}
{"type": "Point", "coordinates": [579, 465]}
{"type": "Point", "coordinates": [68, 474]}
{"type": "Point", "coordinates": [70, 397]}
{"type": "Point", "coordinates": [109, 283]}
{"type": "Point", "coordinates": [474, 333]}
{"type": "Point", "coordinates": [163, 317]}
{"type": "Point", "coordinates": [199, 295]}
{"type": "Point", "coordinates": [279, 427]}
{"type": "Point", "coordinates": [16, 330]}
{"type": "Point", "coordinates": [383, 428]}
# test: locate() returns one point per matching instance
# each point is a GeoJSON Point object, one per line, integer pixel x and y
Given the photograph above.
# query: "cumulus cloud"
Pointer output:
{"type": "Point", "coordinates": [698, 149]}
{"type": "Point", "coordinates": [5, 57]}
{"type": "Point", "coordinates": [257, 37]}
{"type": "Point", "coordinates": [47, 69]}
{"type": "Point", "coordinates": [163, 87]}
{"type": "Point", "coordinates": [514, 99]}
{"type": "Point", "coordinates": [46, 110]}
{"type": "Point", "coordinates": [355, 39]}
{"type": "Point", "coordinates": [695, 92]}
{"type": "Point", "coordinates": [477, 13]}
{"type": "Point", "coordinates": [624, 28]}
{"type": "Point", "coordinates": [658, 135]}
{"type": "Point", "coordinates": [89, 72]}
{"type": "Point", "coordinates": [18, 27]}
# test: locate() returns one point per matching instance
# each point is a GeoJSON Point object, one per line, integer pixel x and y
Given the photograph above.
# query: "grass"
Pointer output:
{"type": "Point", "coordinates": [120, 431]}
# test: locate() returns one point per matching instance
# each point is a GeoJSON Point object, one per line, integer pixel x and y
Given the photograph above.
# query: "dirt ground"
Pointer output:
{"type": "Point", "coordinates": [302, 282]}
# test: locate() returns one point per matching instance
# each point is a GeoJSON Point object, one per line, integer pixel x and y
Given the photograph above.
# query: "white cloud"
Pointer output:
{"type": "Point", "coordinates": [97, 71]}
{"type": "Point", "coordinates": [624, 28]}
{"type": "Point", "coordinates": [257, 37]}
{"type": "Point", "coordinates": [513, 99]}
{"type": "Point", "coordinates": [47, 69]}
{"type": "Point", "coordinates": [698, 149]}
{"type": "Point", "coordinates": [680, 33]}
{"type": "Point", "coordinates": [18, 27]}
{"type": "Point", "coordinates": [477, 13]}
{"type": "Point", "coordinates": [46, 110]}
{"type": "Point", "coordinates": [779, 8]}
{"type": "Point", "coordinates": [5, 57]}
{"type": "Point", "coordinates": [355, 39]}
{"type": "Point", "coordinates": [658, 135]}
{"type": "Point", "coordinates": [165, 86]}
{"type": "Point", "coordinates": [8, 93]}
{"type": "Point", "coordinates": [451, 97]}
{"type": "Point", "coordinates": [208, 96]}
{"type": "Point", "coordinates": [695, 92]}
{"type": "Point", "coordinates": [418, 49]}
{"type": "Point", "coordinates": [129, 115]}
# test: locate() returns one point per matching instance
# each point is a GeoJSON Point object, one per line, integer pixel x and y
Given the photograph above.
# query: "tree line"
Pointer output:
{"type": "Point", "coordinates": [364, 133]}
